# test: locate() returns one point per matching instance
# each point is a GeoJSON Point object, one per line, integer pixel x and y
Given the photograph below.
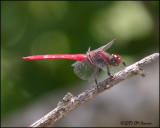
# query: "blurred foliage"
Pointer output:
{"type": "Point", "coordinates": [52, 27]}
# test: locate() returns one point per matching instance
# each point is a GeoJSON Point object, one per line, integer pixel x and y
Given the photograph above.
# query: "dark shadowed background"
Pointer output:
{"type": "Point", "coordinates": [30, 89]}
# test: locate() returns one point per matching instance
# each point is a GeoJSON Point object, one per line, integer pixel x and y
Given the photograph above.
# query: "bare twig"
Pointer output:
{"type": "Point", "coordinates": [71, 102]}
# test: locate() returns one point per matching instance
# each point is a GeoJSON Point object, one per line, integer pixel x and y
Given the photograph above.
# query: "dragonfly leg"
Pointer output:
{"type": "Point", "coordinates": [108, 72]}
{"type": "Point", "coordinates": [124, 63]}
{"type": "Point", "coordinates": [95, 78]}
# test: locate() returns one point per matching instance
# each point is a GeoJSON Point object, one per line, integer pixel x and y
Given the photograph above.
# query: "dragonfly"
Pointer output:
{"type": "Point", "coordinates": [88, 66]}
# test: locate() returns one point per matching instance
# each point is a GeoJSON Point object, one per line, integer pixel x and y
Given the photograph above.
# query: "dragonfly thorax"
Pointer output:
{"type": "Point", "coordinates": [99, 58]}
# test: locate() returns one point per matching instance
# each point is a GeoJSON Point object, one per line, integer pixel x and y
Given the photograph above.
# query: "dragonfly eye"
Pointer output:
{"type": "Point", "coordinates": [115, 60]}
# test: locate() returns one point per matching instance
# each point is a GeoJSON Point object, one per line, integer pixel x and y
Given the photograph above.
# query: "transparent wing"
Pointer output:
{"type": "Point", "coordinates": [84, 69]}
{"type": "Point", "coordinates": [107, 46]}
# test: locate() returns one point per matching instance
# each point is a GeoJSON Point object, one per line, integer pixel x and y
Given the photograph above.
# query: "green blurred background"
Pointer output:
{"type": "Point", "coordinates": [59, 27]}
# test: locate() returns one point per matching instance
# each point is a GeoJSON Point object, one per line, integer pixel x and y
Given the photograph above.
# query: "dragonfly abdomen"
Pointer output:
{"type": "Point", "coordinates": [78, 57]}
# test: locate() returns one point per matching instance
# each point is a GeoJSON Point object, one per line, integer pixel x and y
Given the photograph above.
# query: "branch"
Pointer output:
{"type": "Point", "coordinates": [71, 102]}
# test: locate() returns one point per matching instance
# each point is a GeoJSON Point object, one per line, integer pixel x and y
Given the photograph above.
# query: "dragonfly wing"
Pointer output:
{"type": "Point", "coordinates": [84, 69]}
{"type": "Point", "coordinates": [89, 49]}
{"type": "Point", "coordinates": [107, 46]}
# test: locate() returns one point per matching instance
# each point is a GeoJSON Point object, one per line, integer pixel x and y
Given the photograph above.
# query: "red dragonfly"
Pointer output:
{"type": "Point", "coordinates": [87, 65]}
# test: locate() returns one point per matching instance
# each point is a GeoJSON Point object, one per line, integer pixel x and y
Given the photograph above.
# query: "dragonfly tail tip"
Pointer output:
{"type": "Point", "coordinates": [25, 58]}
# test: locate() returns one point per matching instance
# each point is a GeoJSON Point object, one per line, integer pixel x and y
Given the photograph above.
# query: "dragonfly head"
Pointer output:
{"type": "Point", "coordinates": [115, 60]}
